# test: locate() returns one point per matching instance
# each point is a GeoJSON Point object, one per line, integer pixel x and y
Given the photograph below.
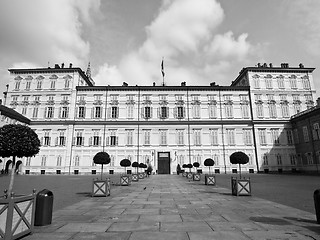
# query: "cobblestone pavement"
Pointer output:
{"type": "Point", "coordinates": [173, 207]}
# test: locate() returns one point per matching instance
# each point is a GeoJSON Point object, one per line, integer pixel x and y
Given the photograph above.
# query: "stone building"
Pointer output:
{"type": "Point", "coordinates": [306, 133]}
{"type": "Point", "coordinates": [162, 125]}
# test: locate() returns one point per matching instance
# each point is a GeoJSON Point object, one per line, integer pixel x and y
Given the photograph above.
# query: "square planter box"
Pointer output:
{"type": "Point", "coordinates": [135, 177]}
{"type": "Point", "coordinates": [196, 177]}
{"type": "Point", "coordinates": [125, 180]}
{"type": "Point", "coordinates": [210, 179]}
{"type": "Point", "coordinates": [240, 187]}
{"type": "Point", "coordinates": [184, 174]}
{"type": "Point", "coordinates": [141, 175]}
{"type": "Point", "coordinates": [190, 175]}
{"type": "Point", "coordinates": [101, 188]}
{"type": "Point", "coordinates": [17, 216]}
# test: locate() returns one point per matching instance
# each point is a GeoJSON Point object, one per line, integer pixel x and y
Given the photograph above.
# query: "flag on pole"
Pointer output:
{"type": "Point", "coordinates": [162, 69]}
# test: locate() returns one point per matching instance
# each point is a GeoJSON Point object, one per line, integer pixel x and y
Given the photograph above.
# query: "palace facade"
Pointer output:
{"type": "Point", "coordinates": [162, 125]}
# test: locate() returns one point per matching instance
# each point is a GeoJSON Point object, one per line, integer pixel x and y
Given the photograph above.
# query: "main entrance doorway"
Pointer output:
{"type": "Point", "coordinates": [163, 162]}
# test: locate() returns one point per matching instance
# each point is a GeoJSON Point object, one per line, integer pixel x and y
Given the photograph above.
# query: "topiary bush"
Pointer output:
{"type": "Point", "coordinates": [239, 158]}
{"type": "Point", "coordinates": [209, 162]}
{"type": "Point", "coordinates": [125, 163]}
{"type": "Point", "coordinates": [101, 158]}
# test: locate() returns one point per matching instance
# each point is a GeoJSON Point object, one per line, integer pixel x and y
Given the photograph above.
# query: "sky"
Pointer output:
{"type": "Point", "coordinates": [200, 41]}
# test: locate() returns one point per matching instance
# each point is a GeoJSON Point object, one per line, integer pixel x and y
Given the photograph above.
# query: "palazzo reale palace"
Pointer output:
{"type": "Point", "coordinates": [161, 125]}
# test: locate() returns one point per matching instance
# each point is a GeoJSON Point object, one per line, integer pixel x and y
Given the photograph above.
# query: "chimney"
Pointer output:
{"type": "Point", "coordinates": [318, 102]}
{"type": "Point", "coordinates": [62, 65]}
{"type": "Point", "coordinates": [124, 84]}
{"type": "Point", "coordinates": [270, 65]}
{"type": "Point", "coordinates": [212, 84]}
{"type": "Point", "coordinates": [301, 65]}
{"type": "Point", "coordinates": [183, 83]}
{"type": "Point", "coordinates": [265, 65]}
{"type": "Point", "coordinates": [259, 65]}
{"type": "Point", "coordinates": [154, 83]}
{"type": "Point", "coordinates": [70, 65]}
{"type": "Point", "coordinates": [56, 66]}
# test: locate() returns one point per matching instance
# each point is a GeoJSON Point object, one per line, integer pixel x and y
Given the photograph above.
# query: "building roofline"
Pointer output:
{"type": "Point", "coordinates": [9, 112]}
{"type": "Point", "coordinates": [245, 70]}
{"type": "Point", "coordinates": [163, 88]}
{"type": "Point", "coordinates": [41, 70]}
{"type": "Point", "coordinates": [305, 113]}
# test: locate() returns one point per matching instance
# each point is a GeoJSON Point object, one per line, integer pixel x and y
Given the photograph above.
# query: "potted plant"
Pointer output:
{"type": "Point", "coordinates": [141, 174]}
{"type": "Point", "coordinates": [189, 174]}
{"type": "Point", "coordinates": [125, 179]}
{"type": "Point", "coordinates": [17, 141]}
{"type": "Point", "coordinates": [135, 176]}
{"type": "Point", "coordinates": [184, 166]}
{"type": "Point", "coordinates": [240, 186]}
{"type": "Point", "coordinates": [209, 179]}
{"type": "Point", "coordinates": [196, 175]}
{"type": "Point", "coordinates": [101, 188]}
{"type": "Point", "coordinates": [178, 169]}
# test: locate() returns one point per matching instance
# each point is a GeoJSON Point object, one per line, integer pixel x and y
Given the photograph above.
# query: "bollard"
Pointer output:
{"type": "Point", "coordinates": [316, 198]}
{"type": "Point", "coordinates": [44, 206]}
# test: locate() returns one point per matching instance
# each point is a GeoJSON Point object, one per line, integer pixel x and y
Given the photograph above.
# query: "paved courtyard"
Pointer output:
{"type": "Point", "coordinates": [171, 207]}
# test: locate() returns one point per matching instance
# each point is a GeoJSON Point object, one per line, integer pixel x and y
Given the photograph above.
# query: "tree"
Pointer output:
{"type": "Point", "coordinates": [17, 141]}
{"type": "Point", "coordinates": [135, 165]}
{"type": "Point", "coordinates": [209, 162]}
{"type": "Point", "coordinates": [196, 165]}
{"type": "Point", "coordinates": [189, 166]}
{"type": "Point", "coordinates": [125, 163]}
{"type": "Point", "coordinates": [239, 158]}
{"type": "Point", "coordinates": [101, 158]}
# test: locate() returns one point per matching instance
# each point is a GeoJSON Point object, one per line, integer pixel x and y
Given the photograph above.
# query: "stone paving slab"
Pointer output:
{"type": "Point", "coordinates": [171, 207]}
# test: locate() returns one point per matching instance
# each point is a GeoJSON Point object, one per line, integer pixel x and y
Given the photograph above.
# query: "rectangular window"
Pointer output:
{"type": "Point", "coordinates": [129, 137]}
{"type": "Point", "coordinates": [289, 137]}
{"type": "Point", "coordinates": [147, 137]}
{"type": "Point", "coordinates": [316, 131]}
{"type": "Point", "coordinates": [230, 136]}
{"type": "Point", "coordinates": [285, 110]}
{"type": "Point", "coordinates": [265, 159]}
{"type": "Point", "coordinates": [66, 83]}
{"type": "Point", "coordinates": [280, 83]}
{"type": "Point", "coordinates": [262, 136]}
{"type": "Point", "coordinates": [180, 112]}
{"type": "Point", "coordinates": [164, 112]}
{"type": "Point", "coordinates": [245, 110]}
{"type": "Point", "coordinates": [64, 112]}
{"type": "Point", "coordinates": [214, 136]}
{"type": "Point", "coordinates": [62, 138]}
{"type": "Point", "coordinates": [259, 110]}
{"type": "Point", "coordinates": [35, 112]}
{"type": "Point", "coordinates": [247, 137]}
{"type": "Point", "coordinates": [28, 85]}
{"type": "Point", "coordinates": [180, 136]}
{"type": "Point", "coordinates": [163, 137]}
{"type": "Point", "coordinates": [279, 160]}
{"type": "Point", "coordinates": [130, 110]}
{"type": "Point", "coordinates": [79, 139]}
{"type": "Point", "coordinates": [43, 161]}
{"type": "Point", "coordinates": [114, 112]}
{"type": "Point", "coordinates": [81, 112]}
{"type": "Point", "coordinates": [147, 112]}
{"type": "Point", "coordinates": [256, 83]}
{"type": "Point", "coordinates": [297, 108]}
{"type": "Point", "coordinates": [296, 136]}
{"type": "Point", "coordinates": [229, 110]}
{"type": "Point", "coordinates": [59, 160]}
{"type": "Point", "coordinates": [272, 110]}
{"type": "Point", "coordinates": [39, 84]}
{"type": "Point", "coordinates": [52, 84]}
{"type": "Point", "coordinates": [49, 113]}
{"type": "Point", "coordinates": [17, 85]}
{"type": "Point", "coordinates": [293, 159]}
{"type": "Point", "coordinates": [96, 141]}
{"type": "Point", "coordinates": [46, 139]}
{"type": "Point", "coordinates": [305, 133]}
{"type": "Point", "coordinates": [24, 111]}
{"type": "Point", "coordinates": [293, 83]}
{"type": "Point", "coordinates": [196, 111]}
{"type": "Point", "coordinates": [275, 136]}
{"type": "Point", "coordinates": [306, 83]}
{"type": "Point", "coordinates": [197, 137]}
{"type": "Point", "coordinates": [212, 111]}
{"type": "Point", "coordinates": [269, 83]}
{"type": "Point", "coordinates": [97, 112]}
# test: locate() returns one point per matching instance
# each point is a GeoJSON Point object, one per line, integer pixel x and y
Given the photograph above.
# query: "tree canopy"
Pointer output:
{"type": "Point", "coordinates": [239, 158]}
{"type": "Point", "coordinates": [101, 158]}
{"type": "Point", "coordinates": [125, 163]}
{"type": "Point", "coordinates": [196, 164]}
{"type": "Point", "coordinates": [19, 141]}
{"type": "Point", "coordinates": [135, 164]}
{"type": "Point", "coordinates": [208, 162]}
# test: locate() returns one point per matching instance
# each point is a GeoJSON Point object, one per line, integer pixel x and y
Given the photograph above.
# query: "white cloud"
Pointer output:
{"type": "Point", "coordinates": [40, 31]}
{"type": "Point", "coordinates": [185, 33]}
{"type": "Point", "coordinates": [226, 45]}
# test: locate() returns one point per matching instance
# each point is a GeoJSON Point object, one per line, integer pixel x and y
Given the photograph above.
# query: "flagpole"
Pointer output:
{"type": "Point", "coordinates": [162, 71]}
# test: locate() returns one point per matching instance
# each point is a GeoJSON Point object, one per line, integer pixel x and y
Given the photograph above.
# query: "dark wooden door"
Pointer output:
{"type": "Point", "coordinates": [163, 162]}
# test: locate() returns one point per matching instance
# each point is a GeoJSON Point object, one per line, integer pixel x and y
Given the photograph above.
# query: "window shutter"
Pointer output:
{"type": "Point", "coordinates": [41, 141]}
{"type": "Point", "coordinates": [100, 142]}
{"type": "Point", "coordinates": [57, 141]}
{"type": "Point", "coordinates": [159, 112]}
{"type": "Point", "coordinates": [151, 111]}
{"type": "Point", "coordinates": [74, 141]}
{"type": "Point", "coordinates": [84, 112]}
{"type": "Point", "coordinates": [117, 112]}
{"type": "Point", "coordinates": [49, 141]}
{"type": "Point", "coordinates": [82, 142]}
{"type": "Point", "coordinates": [45, 112]}
{"type": "Point", "coordinates": [107, 141]}
{"type": "Point", "coordinates": [77, 112]}
{"type": "Point", "coordinates": [117, 140]}
{"type": "Point", "coordinates": [143, 112]}
{"type": "Point", "coordinates": [175, 110]}
{"type": "Point", "coordinates": [109, 112]}
{"type": "Point", "coordinates": [60, 112]}
{"type": "Point", "coordinates": [67, 114]}
{"type": "Point", "coordinates": [90, 141]}
{"type": "Point", "coordinates": [52, 112]}
{"type": "Point", "coordinates": [92, 112]}
{"type": "Point", "coordinates": [167, 112]}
